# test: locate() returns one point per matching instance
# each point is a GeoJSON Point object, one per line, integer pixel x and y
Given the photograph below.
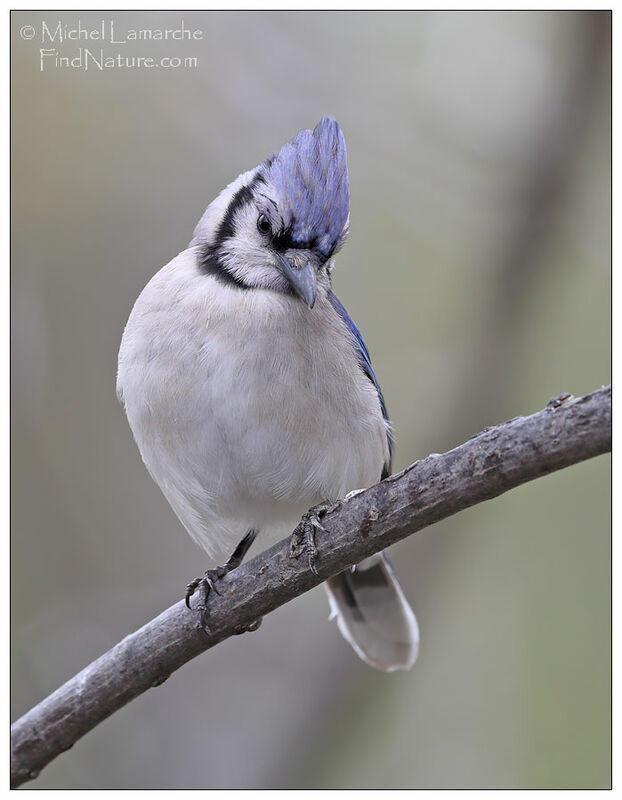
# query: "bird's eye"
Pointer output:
{"type": "Point", "coordinates": [263, 224]}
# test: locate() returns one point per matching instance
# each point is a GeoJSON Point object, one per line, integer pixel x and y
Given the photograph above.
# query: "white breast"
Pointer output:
{"type": "Point", "coordinates": [247, 407]}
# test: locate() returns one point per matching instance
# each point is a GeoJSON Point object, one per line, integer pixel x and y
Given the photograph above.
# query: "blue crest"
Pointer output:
{"type": "Point", "coordinates": [310, 174]}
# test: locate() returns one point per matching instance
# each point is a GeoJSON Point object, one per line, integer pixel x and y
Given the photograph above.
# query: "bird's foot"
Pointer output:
{"type": "Point", "coordinates": [303, 537]}
{"type": "Point", "coordinates": [251, 627]}
{"type": "Point", "coordinates": [205, 584]}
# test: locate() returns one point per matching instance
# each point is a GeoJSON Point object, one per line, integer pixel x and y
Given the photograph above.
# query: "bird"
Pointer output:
{"type": "Point", "coordinates": [250, 391]}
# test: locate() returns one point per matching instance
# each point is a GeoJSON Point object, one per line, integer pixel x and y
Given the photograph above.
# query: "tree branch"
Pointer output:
{"type": "Point", "coordinates": [567, 431]}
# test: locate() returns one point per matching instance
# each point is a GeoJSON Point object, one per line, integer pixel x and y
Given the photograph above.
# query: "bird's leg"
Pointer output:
{"type": "Point", "coordinates": [207, 582]}
{"type": "Point", "coordinates": [303, 537]}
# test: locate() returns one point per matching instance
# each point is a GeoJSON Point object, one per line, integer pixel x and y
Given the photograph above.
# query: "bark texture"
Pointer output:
{"type": "Point", "coordinates": [499, 458]}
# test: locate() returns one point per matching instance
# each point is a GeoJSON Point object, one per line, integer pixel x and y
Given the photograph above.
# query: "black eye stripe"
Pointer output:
{"type": "Point", "coordinates": [209, 258]}
{"type": "Point", "coordinates": [283, 241]}
{"type": "Point", "coordinates": [243, 196]}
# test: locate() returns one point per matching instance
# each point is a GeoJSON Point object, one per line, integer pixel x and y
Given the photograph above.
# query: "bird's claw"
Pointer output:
{"type": "Point", "coordinates": [205, 584]}
{"type": "Point", "coordinates": [251, 627]}
{"type": "Point", "coordinates": [303, 537]}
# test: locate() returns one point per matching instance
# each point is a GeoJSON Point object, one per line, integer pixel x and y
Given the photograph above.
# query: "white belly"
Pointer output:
{"type": "Point", "coordinates": [247, 407]}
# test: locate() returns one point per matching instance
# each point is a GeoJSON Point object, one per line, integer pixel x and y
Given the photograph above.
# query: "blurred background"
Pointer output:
{"type": "Point", "coordinates": [478, 269]}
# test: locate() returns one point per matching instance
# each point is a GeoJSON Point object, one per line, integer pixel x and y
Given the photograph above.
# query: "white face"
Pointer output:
{"type": "Point", "coordinates": [248, 255]}
{"type": "Point", "coordinates": [249, 248]}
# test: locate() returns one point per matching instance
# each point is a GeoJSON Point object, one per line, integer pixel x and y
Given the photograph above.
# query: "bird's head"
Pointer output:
{"type": "Point", "coordinates": [278, 226]}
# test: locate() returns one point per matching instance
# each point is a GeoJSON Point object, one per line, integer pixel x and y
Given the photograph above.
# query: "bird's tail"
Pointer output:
{"type": "Point", "coordinates": [373, 614]}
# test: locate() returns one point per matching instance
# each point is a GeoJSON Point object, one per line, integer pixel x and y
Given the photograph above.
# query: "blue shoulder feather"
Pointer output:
{"type": "Point", "coordinates": [365, 362]}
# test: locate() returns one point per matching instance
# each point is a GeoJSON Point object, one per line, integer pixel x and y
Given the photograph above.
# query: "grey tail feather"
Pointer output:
{"type": "Point", "coordinates": [373, 614]}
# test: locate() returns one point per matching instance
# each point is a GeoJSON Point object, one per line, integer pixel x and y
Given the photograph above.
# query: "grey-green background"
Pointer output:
{"type": "Point", "coordinates": [478, 268]}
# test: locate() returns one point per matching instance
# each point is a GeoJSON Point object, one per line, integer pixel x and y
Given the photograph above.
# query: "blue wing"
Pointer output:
{"type": "Point", "coordinates": [365, 362]}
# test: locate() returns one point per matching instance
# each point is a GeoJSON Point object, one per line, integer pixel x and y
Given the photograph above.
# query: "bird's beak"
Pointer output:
{"type": "Point", "coordinates": [303, 279]}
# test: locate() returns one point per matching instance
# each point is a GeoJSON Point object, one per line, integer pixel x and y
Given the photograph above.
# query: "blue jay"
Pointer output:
{"type": "Point", "coordinates": [249, 389]}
